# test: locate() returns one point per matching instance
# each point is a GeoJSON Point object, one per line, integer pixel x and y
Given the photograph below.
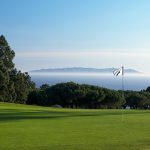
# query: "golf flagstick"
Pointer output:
{"type": "Point", "coordinates": [116, 73]}
{"type": "Point", "coordinates": [122, 91]}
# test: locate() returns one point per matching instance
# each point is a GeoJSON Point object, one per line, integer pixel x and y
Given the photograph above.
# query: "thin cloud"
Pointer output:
{"type": "Point", "coordinates": [86, 53]}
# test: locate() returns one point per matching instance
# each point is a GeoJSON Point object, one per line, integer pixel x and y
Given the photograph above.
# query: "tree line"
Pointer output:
{"type": "Point", "coordinates": [18, 87]}
{"type": "Point", "coordinates": [73, 95]}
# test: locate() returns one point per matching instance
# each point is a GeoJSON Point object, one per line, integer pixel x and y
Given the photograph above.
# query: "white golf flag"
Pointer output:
{"type": "Point", "coordinates": [119, 71]}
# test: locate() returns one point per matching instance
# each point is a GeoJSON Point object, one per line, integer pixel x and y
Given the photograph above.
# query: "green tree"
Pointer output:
{"type": "Point", "coordinates": [14, 85]}
{"type": "Point", "coordinates": [113, 99]}
{"type": "Point", "coordinates": [23, 85]}
{"type": "Point", "coordinates": [6, 66]}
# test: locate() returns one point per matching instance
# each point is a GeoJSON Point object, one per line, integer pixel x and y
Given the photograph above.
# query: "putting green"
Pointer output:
{"type": "Point", "coordinates": [25, 127]}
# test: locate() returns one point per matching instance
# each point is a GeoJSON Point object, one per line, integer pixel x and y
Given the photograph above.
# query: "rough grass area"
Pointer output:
{"type": "Point", "coordinates": [41, 128]}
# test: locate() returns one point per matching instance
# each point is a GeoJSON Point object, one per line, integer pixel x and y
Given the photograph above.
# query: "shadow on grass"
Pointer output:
{"type": "Point", "coordinates": [18, 114]}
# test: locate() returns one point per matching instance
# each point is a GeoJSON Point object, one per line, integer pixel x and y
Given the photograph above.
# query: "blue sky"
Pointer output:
{"type": "Point", "coordinates": [68, 33]}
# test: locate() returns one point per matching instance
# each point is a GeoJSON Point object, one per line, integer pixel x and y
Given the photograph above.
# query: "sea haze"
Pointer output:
{"type": "Point", "coordinates": [83, 70]}
{"type": "Point", "coordinates": [133, 80]}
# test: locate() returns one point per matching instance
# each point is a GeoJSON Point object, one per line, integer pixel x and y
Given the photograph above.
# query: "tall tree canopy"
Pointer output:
{"type": "Point", "coordinates": [14, 85]}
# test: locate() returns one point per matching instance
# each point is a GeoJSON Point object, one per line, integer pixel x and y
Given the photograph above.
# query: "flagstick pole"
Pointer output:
{"type": "Point", "coordinates": [122, 90]}
{"type": "Point", "coordinates": [123, 79]}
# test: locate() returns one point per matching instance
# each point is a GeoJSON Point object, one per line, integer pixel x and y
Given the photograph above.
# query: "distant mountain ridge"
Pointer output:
{"type": "Point", "coordinates": [82, 69]}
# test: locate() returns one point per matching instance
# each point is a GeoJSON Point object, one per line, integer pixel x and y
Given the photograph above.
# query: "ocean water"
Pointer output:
{"type": "Point", "coordinates": [131, 81]}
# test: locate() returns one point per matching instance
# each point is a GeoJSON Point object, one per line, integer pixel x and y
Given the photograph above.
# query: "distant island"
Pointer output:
{"type": "Point", "coordinates": [82, 70]}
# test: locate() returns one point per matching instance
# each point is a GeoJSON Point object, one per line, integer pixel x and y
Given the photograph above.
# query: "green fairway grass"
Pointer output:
{"type": "Point", "coordinates": [25, 127]}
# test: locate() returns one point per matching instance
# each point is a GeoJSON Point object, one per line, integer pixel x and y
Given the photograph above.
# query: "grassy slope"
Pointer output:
{"type": "Point", "coordinates": [41, 128]}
